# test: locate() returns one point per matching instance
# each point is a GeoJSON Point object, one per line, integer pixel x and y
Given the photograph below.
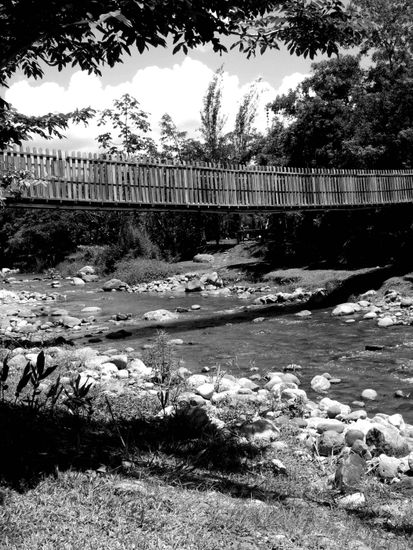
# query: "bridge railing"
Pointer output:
{"type": "Point", "coordinates": [88, 178]}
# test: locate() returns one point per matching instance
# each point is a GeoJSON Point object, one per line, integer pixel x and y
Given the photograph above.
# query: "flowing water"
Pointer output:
{"type": "Point", "coordinates": [214, 335]}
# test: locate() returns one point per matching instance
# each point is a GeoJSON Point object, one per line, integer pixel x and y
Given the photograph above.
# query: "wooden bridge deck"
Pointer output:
{"type": "Point", "coordinates": [80, 181]}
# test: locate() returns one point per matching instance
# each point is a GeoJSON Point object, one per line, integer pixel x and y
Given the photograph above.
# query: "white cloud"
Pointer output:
{"type": "Point", "coordinates": [177, 90]}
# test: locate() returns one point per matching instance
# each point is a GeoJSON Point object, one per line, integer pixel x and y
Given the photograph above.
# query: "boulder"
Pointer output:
{"type": "Point", "coordinates": [274, 381]}
{"type": "Point", "coordinates": [370, 315]}
{"type": "Point", "coordinates": [194, 286]}
{"type": "Point", "coordinates": [353, 435]}
{"type": "Point", "coordinates": [385, 322]}
{"type": "Point", "coordinates": [385, 439]}
{"type": "Point", "coordinates": [333, 407]}
{"type": "Point", "coordinates": [203, 258]}
{"type": "Point", "coordinates": [387, 467]}
{"type": "Point", "coordinates": [345, 309]}
{"type": "Point", "coordinates": [210, 278]}
{"type": "Point", "coordinates": [205, 390]}
{"type": "Point", "coordinates": [160, 315]}
{"type": "Point", "coordinates": [87, 270]}
{"type": "Point", "coordinates": [293, 393]}
{"type": "Point", "coordinates": [70, 322]}
{"type": "Point", "coordinates": [330, 424]}
{"type": "Point", "coordinates": [356, 415]}
{"type": "Point", "coordinates": [320, 383]}
{"type": "Point", "coordinates": [353, 502]}
{"type": "Point", "coordinates": [138, 369]}
{"type": "Point", "coordinates": [369, 394]}
{"type": "Point", "coordinates": [114, 284]}
{"type": "Point", "coordinates": [330, 442]}
{"type": "Point", "coordinates": [77, 281]}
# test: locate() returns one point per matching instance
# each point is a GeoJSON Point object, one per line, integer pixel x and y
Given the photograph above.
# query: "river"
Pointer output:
{"type": "Point", "coordinates": [218, 335]}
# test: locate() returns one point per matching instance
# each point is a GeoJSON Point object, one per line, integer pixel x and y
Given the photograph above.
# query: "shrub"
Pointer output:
{"type": "Point", "coordinates": [141, 270]}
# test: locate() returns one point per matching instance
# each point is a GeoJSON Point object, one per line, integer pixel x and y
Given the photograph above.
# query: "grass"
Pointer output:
{"type": "Point", "coordinates": [141, 270]}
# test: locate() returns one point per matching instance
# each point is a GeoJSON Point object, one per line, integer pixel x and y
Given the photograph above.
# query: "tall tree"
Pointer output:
{"type": "Point", "coordinates": [93, 33]}
{"type": "Point", "coordinates": [243, 135]}
{"type": "Point", "coordinates": [131, 125]}
{"type": "Point", "coordinates": [172, 140]}
{"type": "Point", "coordinates": [213, 119]}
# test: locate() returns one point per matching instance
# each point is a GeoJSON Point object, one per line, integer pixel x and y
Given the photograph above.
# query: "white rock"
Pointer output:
{"type": "Point", "coordinates": [370, 315]}
{"type": "Point", "coordinates": [274, 381]}
{"type": "Point", "coordinates": [91, 309]}
{"type": "Point", "coordinates": [369, 394]}
{"type": "Point", "coordinates": [345, 309]}
{"type": "Point", "coordinates": [352, 502]}
{"type": "Point", "coordinates": [326, 403]}
{"type": "Point", "coordinates": [205, 390]}
{"type": "Point", "coordinates": [138, 369]}
{"type": "Point", "coordinates": [320, 383]}
{"type": "Point", "coordinates": [77, 281]}
{"type": "Point", "coordinates": [385, 322]}
{"type": "Point", "coordinates": [160, 315]}
{"type": "Point", "coordinates": [397, 421]}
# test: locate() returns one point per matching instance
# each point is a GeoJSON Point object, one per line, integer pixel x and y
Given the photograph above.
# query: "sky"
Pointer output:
{"type": "Point", "coordinates": [162, 83]}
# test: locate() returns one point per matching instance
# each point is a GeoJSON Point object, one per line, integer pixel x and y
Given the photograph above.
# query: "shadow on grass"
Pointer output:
{"type": "Point", "coordinates": [171, 448]}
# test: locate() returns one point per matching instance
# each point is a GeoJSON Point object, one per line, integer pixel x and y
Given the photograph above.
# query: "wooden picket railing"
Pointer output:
{"type": "Point", "coordinates": [89, 181]}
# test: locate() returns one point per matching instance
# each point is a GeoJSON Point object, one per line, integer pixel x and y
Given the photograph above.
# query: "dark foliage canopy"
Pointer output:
{"type": "Point", "coordinates": [92, 33]}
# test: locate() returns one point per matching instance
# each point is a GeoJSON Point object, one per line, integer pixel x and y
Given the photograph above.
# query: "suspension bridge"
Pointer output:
{"type": "Point", "coordinates": [57, 179]}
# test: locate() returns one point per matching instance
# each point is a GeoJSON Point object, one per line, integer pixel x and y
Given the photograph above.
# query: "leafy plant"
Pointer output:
{"type": "Point", "coordinates": [34, 374]}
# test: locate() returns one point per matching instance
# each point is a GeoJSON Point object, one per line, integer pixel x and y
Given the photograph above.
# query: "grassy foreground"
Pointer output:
{"type": "Point", "coordinates": [148, 481]}
{"type": "Point", "coordinates": [121, 467]}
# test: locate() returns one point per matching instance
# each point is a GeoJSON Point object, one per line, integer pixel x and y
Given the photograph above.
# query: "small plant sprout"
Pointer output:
{"type": "Point", "coordinates": [218, 378]}
{"type": "Point", "coordinates": [54, 393]}
{"type": "Point", "coordinates": [77, 399]}
{"type": "Point", "coordinates": [160, 359]}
